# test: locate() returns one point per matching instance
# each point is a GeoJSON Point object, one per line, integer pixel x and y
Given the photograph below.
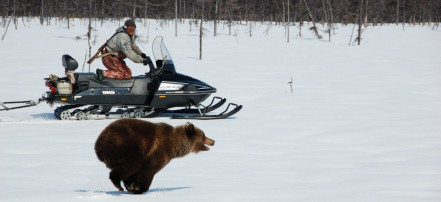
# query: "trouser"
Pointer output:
{"type": "Point", "coordinates": [117, 69]}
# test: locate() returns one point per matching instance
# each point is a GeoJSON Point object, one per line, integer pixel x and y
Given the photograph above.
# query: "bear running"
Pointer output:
{"type": "Point", "coordinates": [135, 150]}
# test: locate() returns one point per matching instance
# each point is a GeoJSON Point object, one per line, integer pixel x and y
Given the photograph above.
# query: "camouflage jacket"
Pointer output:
{"type": "Point", "coordinates": [122, 42]}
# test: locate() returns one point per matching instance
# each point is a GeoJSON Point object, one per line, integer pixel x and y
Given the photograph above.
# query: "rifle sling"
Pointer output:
{"type": "Point", "coordinates": [104, 46]}
{"type": "Point", "coordinates": [106, 54]}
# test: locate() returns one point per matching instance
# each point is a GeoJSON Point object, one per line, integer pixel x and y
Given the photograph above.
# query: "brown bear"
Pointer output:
{"type": "Point", "coordinates": [135, 150]}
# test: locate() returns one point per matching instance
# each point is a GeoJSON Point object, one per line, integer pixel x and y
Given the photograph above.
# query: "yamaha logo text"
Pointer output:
{"type": "Point", "coordinates": [108, 92]}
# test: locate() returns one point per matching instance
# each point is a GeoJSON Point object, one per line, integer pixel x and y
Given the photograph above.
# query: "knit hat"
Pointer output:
{"type": "Point", "coordinates": [130, 23]}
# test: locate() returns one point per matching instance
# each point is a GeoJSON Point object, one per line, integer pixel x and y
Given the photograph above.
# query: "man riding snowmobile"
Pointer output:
{"type": "Point", "coordinates": [82, 96]}
{"type": "Point", "coordinates": [119, 46]}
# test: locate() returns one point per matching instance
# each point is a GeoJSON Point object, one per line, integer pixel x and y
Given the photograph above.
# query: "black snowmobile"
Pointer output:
{"type": "Point", "coordinates": [160, 91]}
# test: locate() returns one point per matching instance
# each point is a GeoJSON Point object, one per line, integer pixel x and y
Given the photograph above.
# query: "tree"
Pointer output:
{"type": "Point", "coordinates": [360, 17]}
{"type": "Point", "coordinates": [275, 11]}
{"type": "Point", "coordinates": [201, 32]}
{"type": "Point", "coordinates": [314, 27]}
{"type": "Point", "coordinates": [216, 18]}
{"type": "Point", "coordinates": [398, 11]}
{"type": "Point", "coordinates": [287, 37]}
{"type": "Point", "coordinates": [176, 18]}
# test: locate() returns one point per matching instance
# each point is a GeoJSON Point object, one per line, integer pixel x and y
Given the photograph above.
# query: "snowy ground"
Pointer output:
{"type": "Point", "coordinates": [363, 122]}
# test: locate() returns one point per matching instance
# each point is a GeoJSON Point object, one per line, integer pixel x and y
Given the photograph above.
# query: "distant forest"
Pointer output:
{"type": "Point", "coordinates": [334, 11]}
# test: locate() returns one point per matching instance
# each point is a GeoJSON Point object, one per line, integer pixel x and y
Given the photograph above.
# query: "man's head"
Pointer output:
{"type": "Point", "coordinates": [129, 27]}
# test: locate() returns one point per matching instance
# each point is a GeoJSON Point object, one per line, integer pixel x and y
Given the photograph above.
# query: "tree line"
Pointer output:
{"type": "Point", "coordinates": [278, 11]}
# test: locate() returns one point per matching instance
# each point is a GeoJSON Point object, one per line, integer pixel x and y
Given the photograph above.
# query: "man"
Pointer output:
{"type": "Point", "coordinates": [120, 46]}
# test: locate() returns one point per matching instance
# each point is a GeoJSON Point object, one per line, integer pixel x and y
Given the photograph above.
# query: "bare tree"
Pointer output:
{"type": "Point", "coordinates": [352, 34]}
{"type": "Point", "coordinates": [300, 21]}
{"type": "Point", "coordinates": [274, 11]}
{"type": "Point", "coordinates": [404, 13]}
{"type": "Point", "coordinates": [201, 31]}
{"type": "Point", "coordinates": [89, 30]}
{"type": "Point", "coordinates": [283, 15]}
{"type": "Point", "coordinates": [176, 18]}
{"type": "Point", "coordinates": [365, 22]}
{"type": "Point", "coordinates": [6, 30]}
{"type": "Point", "coordinates": [134, 10]}
{"type": "Point", "coordinates": [288, 24]}
{"type": "Point", "coordinates": [314, 28]}
{"type": "Point", "coordinates": [216, 18]}
{"type": "Point", "coordinates": [398, 11]}
{"type": "Point", "coordinates": [331, 20]}
{"type": "Point", "coordinates": [145, 8]}
{"type": "Point", "coordinates": [360, 22]}
{"type": "Point", "coordinates": [42, 14]}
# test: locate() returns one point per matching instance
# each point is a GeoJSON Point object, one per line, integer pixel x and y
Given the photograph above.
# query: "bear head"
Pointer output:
{"type": "Point", "coordinates": [197, 136]}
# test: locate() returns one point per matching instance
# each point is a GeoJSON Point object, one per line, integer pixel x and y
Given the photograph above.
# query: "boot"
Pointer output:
{"type": "Point", "coordinates": [99, 73]}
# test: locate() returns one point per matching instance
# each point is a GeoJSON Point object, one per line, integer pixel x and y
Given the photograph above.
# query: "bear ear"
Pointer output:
{"type": "Point", "coordinates": [189, 128]}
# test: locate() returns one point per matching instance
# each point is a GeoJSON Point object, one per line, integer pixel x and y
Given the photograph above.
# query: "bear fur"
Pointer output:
{"type": "Point", "coordinates": [135, 150]}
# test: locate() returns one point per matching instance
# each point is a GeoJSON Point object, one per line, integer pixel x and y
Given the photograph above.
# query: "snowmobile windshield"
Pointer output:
{"type": "Point", "coordinates": [160, 52]}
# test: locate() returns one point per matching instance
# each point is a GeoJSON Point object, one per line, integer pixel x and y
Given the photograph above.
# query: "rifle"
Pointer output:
{"type": "Point", "coordinates": [100, 49]}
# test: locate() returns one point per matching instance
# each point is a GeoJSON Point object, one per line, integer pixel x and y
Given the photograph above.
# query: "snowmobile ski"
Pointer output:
{"type": "Point", "coordinates": [203, 116]}
{"type": "Point", "coordinates": [209, 108]}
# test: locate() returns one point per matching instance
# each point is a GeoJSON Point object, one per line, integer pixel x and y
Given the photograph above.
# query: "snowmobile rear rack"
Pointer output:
{"type": "Point", "coordinates": [5, 106]}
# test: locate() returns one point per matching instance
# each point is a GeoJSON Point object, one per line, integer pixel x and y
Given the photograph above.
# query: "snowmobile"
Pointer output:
{"type": "Point", "coordinates": [162, 90]}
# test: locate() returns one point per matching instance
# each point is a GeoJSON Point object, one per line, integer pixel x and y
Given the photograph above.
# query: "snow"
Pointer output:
{"type": "Point", "coordinates": [362, 124]}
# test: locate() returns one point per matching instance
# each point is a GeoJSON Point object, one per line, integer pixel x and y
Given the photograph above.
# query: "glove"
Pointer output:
{"type": "Point", "coordinates": [146, 60]}
{"type": "Point", "coordinates": [143, 55]}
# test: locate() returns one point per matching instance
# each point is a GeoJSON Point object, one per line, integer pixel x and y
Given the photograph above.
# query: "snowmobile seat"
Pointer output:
{"type": "Point", "coordinates": [90, 80]}
{"type": "Point", "coordinates": [119, 83]}
{"type": "Point", "coordinates": [69, 62]}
